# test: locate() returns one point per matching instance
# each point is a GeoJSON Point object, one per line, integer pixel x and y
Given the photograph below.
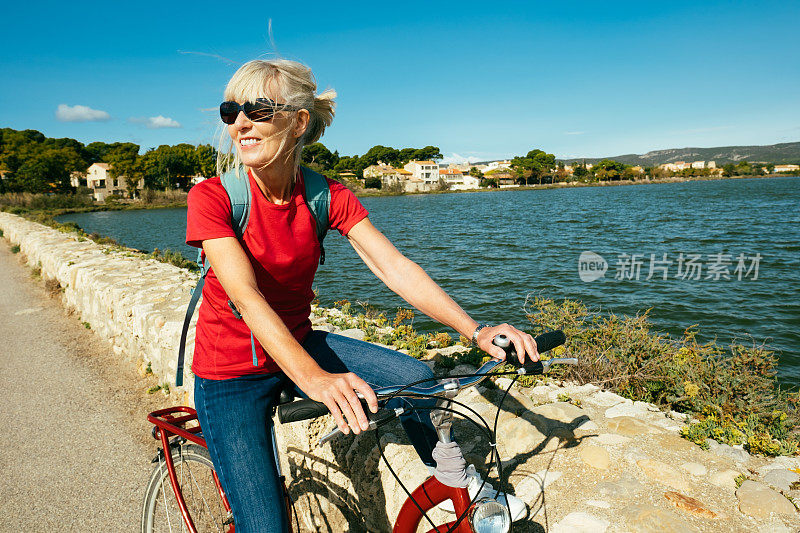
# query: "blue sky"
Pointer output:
{"type": "Point", "coordinates": [480, 80]}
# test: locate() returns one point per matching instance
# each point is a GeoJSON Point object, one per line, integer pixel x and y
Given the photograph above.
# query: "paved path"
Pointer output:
{"type": "Point", "coordinates": [73, 454]}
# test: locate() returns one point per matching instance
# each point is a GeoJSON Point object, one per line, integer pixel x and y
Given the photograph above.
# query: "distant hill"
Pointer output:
{"type": "Point", "coordinates": [773, 153]}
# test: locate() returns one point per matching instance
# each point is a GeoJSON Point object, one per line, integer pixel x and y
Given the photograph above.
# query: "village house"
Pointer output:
{"type": "Point", "coordinates": [77, 179]}
{"type": "Point", "coordinates": [497, 165]}
{"type": "Point", "coordinates": [457, 180]}
{"type": "Point", "coordinates": [103, 185]}
{"type": "Point", "coordinates": [786, 168]}
{"type": "Point", "coordinates": [391, 176]}
{"type": "Point", "coordinates": [504, 179]}
{"type": "Point", "coordinates": [677, 166]}
{"type": "Point", "coordinates": [425, 171]}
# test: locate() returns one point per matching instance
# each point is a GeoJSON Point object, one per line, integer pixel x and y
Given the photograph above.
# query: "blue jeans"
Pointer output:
{"type": "Point", "coordinates": [235, 417]}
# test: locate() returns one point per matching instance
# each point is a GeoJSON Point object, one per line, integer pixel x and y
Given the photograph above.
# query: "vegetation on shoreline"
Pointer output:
{"type": "Point", "coordinates": [46, 217]}
{"type": "Point", "coordinates": [731, 395]}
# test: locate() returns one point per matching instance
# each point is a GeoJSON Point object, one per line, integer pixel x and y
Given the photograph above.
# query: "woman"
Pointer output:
{"type": "Point", "coordinates": [271, 112]}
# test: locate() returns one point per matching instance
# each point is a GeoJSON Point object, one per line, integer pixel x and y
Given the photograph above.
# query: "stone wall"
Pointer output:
{"type": "Point", "coordinates": [582, 458]}
{"type": "Point", "coordinates": [137, 304]}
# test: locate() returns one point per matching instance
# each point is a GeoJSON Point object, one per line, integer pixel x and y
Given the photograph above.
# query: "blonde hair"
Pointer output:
{"type": "Point", "coordinates": [289, 82]}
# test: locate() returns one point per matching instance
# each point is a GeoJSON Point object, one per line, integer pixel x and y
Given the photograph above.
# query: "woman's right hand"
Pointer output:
{"type": "Point", "coordinates": [338, 393]}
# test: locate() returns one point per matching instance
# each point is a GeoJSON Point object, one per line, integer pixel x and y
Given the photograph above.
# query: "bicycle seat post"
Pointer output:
{"type": "Point", "coordinates": [443, 418]}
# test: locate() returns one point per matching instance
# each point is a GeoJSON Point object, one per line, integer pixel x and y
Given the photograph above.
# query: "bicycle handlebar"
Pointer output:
{"type": "Point", "coordinates": [307, 408]}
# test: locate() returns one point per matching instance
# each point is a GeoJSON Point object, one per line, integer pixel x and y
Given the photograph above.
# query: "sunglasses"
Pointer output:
{"type": "Point", "coordinates": [262, 110]}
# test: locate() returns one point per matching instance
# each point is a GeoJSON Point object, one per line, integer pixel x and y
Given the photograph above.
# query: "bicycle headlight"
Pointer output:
{"type": "Point", "coordinates": [490, 516]}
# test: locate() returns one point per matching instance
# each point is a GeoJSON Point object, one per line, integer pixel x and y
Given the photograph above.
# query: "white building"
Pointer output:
{"type": "Point", "coordinates": [786, 168]}
{"type": "Point", "coordinates": [425, 171]}
{"type": "Point", "coordinates": [103, 185]}
{"type": "Point", "coordinates": [677, 166]}
{"type": "Point", "coordinates": [496, 165]}
{"type": "Point", "coordinates": [457, 180]}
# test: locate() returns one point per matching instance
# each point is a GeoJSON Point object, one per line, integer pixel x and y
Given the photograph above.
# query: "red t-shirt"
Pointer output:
{"type": "Point", "coordinates": [282, 245]}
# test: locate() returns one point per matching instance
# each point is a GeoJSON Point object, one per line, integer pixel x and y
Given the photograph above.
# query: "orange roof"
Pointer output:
{"type": "Point", "coordinates": [104, 166]}
{"type": "Point", "coordinates": [403, 172]}
{"type": "Point", "coordinates": [451, 171]}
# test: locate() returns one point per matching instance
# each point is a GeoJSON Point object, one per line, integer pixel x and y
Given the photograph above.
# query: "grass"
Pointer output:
{"type": "Point", "coordinates": [53, 287]}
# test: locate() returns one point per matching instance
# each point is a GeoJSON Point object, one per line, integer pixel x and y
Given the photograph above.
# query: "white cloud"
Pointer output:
{"type": "Point", "coordinates": [80, 113]}
{"type": "Point", "coordinates": [457, 158]}
{"type": "Point", "coordinates": [574, 132]}
{"type": "Point", "coordinates": [158, 122]}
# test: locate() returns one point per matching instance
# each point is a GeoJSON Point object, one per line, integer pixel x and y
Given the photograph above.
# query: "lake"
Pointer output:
{"type": "Point", "coordinates": [728, 249]}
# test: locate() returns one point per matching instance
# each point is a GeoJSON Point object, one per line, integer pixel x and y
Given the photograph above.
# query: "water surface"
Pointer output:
{"type": "Point", "coordinates": [491, 250]}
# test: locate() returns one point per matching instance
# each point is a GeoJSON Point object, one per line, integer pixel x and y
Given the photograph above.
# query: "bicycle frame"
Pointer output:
{"type": "Point", "coordinates": [428, 495]}
{"type": "Point", "coordinates": [173, 421]}
{"type": "Point", "coordinates": [168, 425]}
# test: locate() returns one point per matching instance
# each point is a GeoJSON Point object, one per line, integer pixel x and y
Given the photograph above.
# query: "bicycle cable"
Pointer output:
{"type": "Point", "coordinates": [400, 482]}
{"type": "Point", "coordinates": [490, 433]}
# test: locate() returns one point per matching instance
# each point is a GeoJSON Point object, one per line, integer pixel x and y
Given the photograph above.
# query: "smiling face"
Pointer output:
{"type": "Point", "coordinates": [259, 144]}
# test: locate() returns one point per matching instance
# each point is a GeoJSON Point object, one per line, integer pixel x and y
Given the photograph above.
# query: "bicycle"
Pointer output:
{"type": "Point", "coordinates": [191, 474]}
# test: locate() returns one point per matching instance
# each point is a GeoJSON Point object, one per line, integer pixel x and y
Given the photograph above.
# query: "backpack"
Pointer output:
{"type": "Point", "coordinates": [318, 199]}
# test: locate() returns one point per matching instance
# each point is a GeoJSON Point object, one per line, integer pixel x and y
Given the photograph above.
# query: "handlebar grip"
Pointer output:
{"type": "Point", "coordinates": [552, 339]}
{"type": "Point", "coordinates": [544, 343]}
{"type": "Point", "coordinates": [298, 410]}
{"type": "Point", "coordinates": [306, 409]}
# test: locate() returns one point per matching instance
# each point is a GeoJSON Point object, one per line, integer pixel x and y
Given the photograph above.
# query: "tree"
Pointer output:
{"type": "Point", "coordinates": [373, 183]}
{"type": "Point", "coordinates": [377, 153]}
{"type": "Point", "coordinates": [126, 164]}
{"type": "Point", "coordinates": [629, 173]}
{"type": "Point", "coordinates": [728, 169]}
{"type": "Point", "coordinates": [206, 160]}
{"type": "Point", "coordinates": [431, 153]}
{"type": "Point", "coordinates": [317, 153]}
{"type": "Point", "coordinates": [580, 171]}
{"type": "Point", "coordinates": [474, 172]}
{"type": "Point", "coordinates": [608, 169]}
{"type": "Point", "coordinates": [346, 164]}
{"type": "Point", "coordinates": [534, 165]}
{"type": "Point", "coordinates": [170, 167]}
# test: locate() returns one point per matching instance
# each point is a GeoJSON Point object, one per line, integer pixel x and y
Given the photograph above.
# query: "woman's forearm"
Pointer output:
{"type": "Point", "coordinates": [275, 337]}
{"type": "Point", "coordinates": [412, 283]}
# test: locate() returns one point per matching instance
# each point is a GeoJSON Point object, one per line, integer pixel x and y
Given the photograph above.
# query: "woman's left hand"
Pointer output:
{"type": "Point", "coordinates": [523, 343]}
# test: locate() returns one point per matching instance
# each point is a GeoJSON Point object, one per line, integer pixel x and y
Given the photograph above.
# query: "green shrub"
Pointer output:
{"type": "Point", "coordinates": [173, 258]}
{"type": "Point", "coordinates": [15, 248]}
{"type": "Point", "coordinates": [732, 395]}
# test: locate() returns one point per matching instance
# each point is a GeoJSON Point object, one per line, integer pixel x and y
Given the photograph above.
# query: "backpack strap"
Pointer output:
{"type": "Point", "coordinates": [318, 199]}
{"type": "Point", "coordinates": [236, 183]}
{"type": "Point", "coordinates": [196, 292]}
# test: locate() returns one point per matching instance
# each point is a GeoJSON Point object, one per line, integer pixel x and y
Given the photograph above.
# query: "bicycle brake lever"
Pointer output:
{"type": "Point", "coordinates": [329, 436]}
{"type": "Point", "coordinates": [559, 361]}
{"type": "Point", "coordinates": [375, 420]}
